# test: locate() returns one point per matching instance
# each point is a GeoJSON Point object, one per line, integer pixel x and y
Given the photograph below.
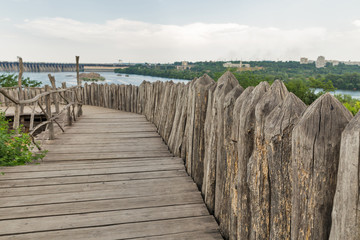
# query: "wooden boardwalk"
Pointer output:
{"type": "Point", "coordinates": [109, 176]}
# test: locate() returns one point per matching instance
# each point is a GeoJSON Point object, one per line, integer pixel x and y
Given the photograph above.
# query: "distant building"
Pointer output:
{"type": "Point", "coordinates": [236, 65]}
{"type": "Point", "coordinates": [351, 63]}
{"type": "Point", "coordinates": [320, 62]}
{"type": "Point", "coordinates": [304, 60]}
{"type": "Point", "coordinates": [184, 65]}
{"type": "Point", "coordinates": [333, 62]}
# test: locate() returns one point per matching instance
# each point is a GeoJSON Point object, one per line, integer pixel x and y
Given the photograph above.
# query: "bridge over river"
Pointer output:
{"type": "Point", "coordinates": [58, 67]}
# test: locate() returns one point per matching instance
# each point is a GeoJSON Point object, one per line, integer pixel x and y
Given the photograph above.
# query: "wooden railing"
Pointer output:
{"type": "Point", "coordinates": [67, 98]}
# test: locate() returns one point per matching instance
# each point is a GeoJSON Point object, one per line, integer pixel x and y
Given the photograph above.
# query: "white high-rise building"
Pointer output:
{"type": "Point", "coordinates": [320, 62]}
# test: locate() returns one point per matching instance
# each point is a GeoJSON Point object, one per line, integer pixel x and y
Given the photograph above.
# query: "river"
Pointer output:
{"type": "Point", "coordinates": [110, 77]}
{"type": "Point", "coordinates": [353, 94]}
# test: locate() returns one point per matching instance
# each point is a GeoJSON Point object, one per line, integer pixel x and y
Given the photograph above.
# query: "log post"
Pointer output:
{"type": "Point", "coordinates": [48, 113]}
{"type": "Point", "coordinates": [18, 107]}
{"type": "Point", "coordinates": [68, 112]}
{"type": "Point", "coordinates": [21, 69]}
{"type": "Point", "coordinates": [55, 98]}
{"type": "Point", "coordinates": [78, 91]}
{"type": "Point", "coordinates": [32, 118]}
{"type": "Point", "coordinates": [16, 117]}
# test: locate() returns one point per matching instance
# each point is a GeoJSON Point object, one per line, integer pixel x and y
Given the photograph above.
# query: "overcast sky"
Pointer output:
{"type": "Point", "coordinates": [174, 30]}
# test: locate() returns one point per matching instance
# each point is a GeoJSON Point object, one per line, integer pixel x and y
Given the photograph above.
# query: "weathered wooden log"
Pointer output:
{"type": "Point", "coordinates": [232, 158]}
{"type": "Point", "coordinates": [345, 222]}
{"type": "Point", "coordinates": [229, 81]}
{"type": "Point", "coordinates": [135, 97]}
{"type": "Point", "coordinates": [20, 96]}
{"type": "Point", "coordinates": [159, 92]}
{"type": "Point", "coordinates": [177, 131]}
{"type": "Point", "coordinates": [48, 114]}
{"type": "Point", "coordinates": [128, 98]}
{"type": "Point", "coordinates": [214, 128]}
{"type": "Point", "coordinates": [54, 95]}
{"type": "Point", "coordinates": [278, 133]}
{"type": "Point", "coordinates": [258, 170]}
{"type": "Point", "coordinates": [315, 158]}
{"type": "Point", "coordinates": [142, 98]}
{"type": "Point", "coordinates": [187, 139]}
{"type": "Point", "coordinates": [245, 147]}
{"type": "Point", "coordinates": [171, 111]}
{"type": "Point", "coordinates": [165, 108]}
{"type": "Point", "coordinates": [123, 97]}
{"type": "Point", "coordinates": [195, 147]}
{"type": "Point", "coordinates": [222, 203]}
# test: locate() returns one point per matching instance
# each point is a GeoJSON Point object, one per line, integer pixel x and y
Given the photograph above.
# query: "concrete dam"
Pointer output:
{"type": "Point", "coordinates": [58, 67]}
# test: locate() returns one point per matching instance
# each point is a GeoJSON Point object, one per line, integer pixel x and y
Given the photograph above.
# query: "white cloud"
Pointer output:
{"type": "Point", "coordinates": [141, 41]}
{"type": "Point", "coordinates": [357, 23]}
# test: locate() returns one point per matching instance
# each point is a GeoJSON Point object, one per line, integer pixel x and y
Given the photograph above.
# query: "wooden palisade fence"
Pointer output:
{"type": "Point", "coordinates": [268, 166]}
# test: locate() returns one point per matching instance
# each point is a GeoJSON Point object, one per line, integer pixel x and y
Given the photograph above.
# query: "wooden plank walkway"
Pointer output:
{"type": "Point", "coordinates": [109, 176]}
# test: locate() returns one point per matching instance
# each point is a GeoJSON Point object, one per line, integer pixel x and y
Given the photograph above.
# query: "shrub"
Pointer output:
{"type": "Point", "coordinates": [15, 146]}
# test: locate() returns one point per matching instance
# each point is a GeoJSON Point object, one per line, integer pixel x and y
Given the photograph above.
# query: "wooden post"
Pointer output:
{"type": "Point", "coordinates": [16, 117]}
{"type": "Point", "coordinates": [21, 69]}
{"type": "Point", "coordinates": [68, 114]}
{"type": "Point", "coordinates": [77, 71]}
{"type": "Point", "coordinates": [48, 112]}
{"type": "Point", "coordinates": [78, 91]}
{"type": "Point", "coordinates": [32, 117]}
{"type": "Point", "coordinates": [54, 96]}
{"type": "Point", "coordinates": [64, 94]}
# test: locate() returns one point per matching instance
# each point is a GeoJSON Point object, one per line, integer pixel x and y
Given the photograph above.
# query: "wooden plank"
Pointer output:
{"type": "Point", "coordinates": [105, 149]}
{"type": "Point", "coordinates": [105, 170]}
{"type": "Point", "coordinates": [107, 136]}
{"type": "Point", "coordinates": [90, 178]}
{"type": "Point", "coordinates": [84, 187]}
{"type": "Point", "coordinates": [110, 130]}
{"type": "Point", "coordinates": [102, 205]}
{"type": "Point", "coordinates": [198, 235]}
{"type": "Point", "coordinates": [109, 177]}
{"type": "Point", "coordinates": [127, 231]}
{"type": "Point", "coordinates": [111, 163]}
{"type": "Point", "coordinates": [135, 154]}
{"type": "Point", "coordinates": [87, 141]}
{"type": "Point", "coordinates": [131, 192]}
{"type": "Point", "coordinates": [113, 141]}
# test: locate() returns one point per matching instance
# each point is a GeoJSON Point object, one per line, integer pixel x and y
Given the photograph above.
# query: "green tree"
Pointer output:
{"type": "Point", "coordinates": [11, 80]}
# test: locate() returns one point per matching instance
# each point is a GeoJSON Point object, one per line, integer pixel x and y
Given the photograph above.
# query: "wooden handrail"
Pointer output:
{"type": "Point", "coordinates": [37, 97]}
{"type": "Point", "coordinates": [55, 94]}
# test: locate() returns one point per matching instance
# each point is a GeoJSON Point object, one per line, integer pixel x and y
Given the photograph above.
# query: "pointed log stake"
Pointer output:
{"type": "Point", "coordinates": [78, 91]}
{"type": "Point", "coordinates": [21, 70]}
{"type": "Point", "coordinates": [77, 71]}
{"type": "Point", "coordinates": [48, 113]}
{"type": "Point", "coordinates": [54, 96]}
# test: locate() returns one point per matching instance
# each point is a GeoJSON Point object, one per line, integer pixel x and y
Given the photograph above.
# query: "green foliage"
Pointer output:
{"type": "Point", "coordinates": [15, 146]}
{"type": "Point", "coordinates": [351, 104]}
{"type": "Point", "coordinates": [11, 80]}
{"type": "Point", "coordinates": [300, 79]}
{"type": "Point", "coordinates": [301, 90]}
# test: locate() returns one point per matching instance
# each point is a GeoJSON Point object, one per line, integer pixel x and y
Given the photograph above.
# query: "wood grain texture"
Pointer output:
{"type": "Point", "coordinates": [110, 176]}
